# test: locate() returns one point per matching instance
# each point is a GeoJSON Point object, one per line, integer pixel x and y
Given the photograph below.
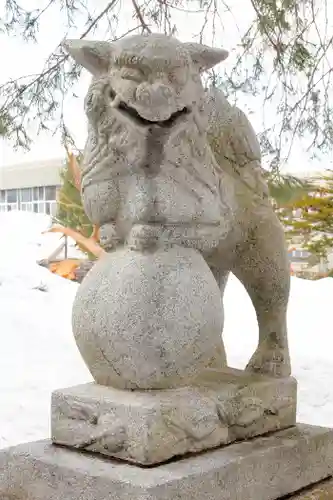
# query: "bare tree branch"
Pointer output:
{"type": "Point", "coordinates": [283, 61]}
{"type": "Point", "coordinates": [140, 17]}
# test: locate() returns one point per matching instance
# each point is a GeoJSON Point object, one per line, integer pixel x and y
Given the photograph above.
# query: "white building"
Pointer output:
{"type": "Point", "coordinates": [30, 186]}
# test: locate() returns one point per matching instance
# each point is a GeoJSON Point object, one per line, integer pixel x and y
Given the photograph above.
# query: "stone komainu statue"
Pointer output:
{"type": "Point", "coordinates": [167, 162]}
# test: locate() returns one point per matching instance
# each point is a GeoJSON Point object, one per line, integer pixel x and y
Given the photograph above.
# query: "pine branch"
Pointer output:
{"type": "Point", "coordinates": [291, 40]}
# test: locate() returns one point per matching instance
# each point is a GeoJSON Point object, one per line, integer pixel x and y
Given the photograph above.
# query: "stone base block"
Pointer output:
{"type": "Point", "coordinates": [149, 427]}
{"type": "Point", "coordinates": [265, 468]}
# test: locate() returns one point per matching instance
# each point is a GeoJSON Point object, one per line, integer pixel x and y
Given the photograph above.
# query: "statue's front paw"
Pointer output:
{"type": "Point", "coordinates": [109, 236]}
{"type": "Point", "coordinates": [274, 362]}
{"type": "Point", "coordinates": [144, 237]}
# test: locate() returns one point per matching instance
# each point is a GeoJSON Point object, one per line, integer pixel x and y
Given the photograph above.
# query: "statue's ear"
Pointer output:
{"type": "Point", "coordinates": [205, 57]}
{"type": "Point", "coordinates": [94, 56]}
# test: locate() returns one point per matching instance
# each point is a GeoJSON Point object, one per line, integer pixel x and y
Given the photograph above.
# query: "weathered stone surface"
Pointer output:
{"type": "Point", "coordinates": [149, 321]}
{"type": "Point", "coordinates": [166, 164]}
{"type": "Point", "coordinates": [264, 468]}
{"type": "Point", "coordinates": [148, 427]}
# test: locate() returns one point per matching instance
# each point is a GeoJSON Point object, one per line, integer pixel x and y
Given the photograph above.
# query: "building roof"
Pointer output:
{"type": "Point", "coordinates": [31, 174]}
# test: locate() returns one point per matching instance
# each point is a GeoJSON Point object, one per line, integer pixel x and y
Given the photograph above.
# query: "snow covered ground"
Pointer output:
{"type": "Point", "coordinates": [38, 353]}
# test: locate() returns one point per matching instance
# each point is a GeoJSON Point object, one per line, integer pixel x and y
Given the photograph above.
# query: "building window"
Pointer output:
{"type": "Point", "coordinates": [26, 207]}
{"type": "Point", "coordinates": [300, 254]}
{"type": "Point", "coordinates": [39, 199]}
{"type": "Point", "coordinates": [50, 193]}
{"type": "Point", "coordinates": [53, 208]}
{"type": "Point", "coordinates": [26, 194]}
{"type": "Point", "coordinates": [41, 208]}
{"type": "Point", "coordinates": [11, 195]}
{"type": "Point", "coordinates": [12, 206]}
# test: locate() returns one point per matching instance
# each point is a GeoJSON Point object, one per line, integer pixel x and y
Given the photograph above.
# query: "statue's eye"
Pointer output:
{"type": "Point", "coordinates": [112, 94]}
{"type": "Point", "coordinates": [133, 74]}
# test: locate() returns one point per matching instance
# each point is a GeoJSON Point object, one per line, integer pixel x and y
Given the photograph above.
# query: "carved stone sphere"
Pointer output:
{"type": "Point", "coordinates": [149, 320]}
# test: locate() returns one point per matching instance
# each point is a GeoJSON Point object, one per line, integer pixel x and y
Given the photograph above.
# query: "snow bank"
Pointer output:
{"type": "Point", "coordinates": [38, 353]}
{"type": "Point", "coordinates": [310, 338]}
{"type": "Point", "coordinates": [23, 239]}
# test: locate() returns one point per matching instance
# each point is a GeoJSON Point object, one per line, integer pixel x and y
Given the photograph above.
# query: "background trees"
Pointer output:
{"type": "Point", "coordinates": [280, 64]}
{"type": "Point", "coordinates": [313, 219]}
{"type": "Point", "coordinates": [70, 211]}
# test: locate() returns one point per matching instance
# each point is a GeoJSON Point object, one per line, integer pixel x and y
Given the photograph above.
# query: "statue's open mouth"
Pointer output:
{"type": "Point", "coordinates": [132, 113]}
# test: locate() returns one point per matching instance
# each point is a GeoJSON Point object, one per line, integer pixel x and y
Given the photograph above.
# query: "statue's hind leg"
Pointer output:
{"type": "Point", "coordinates": [263, 268]}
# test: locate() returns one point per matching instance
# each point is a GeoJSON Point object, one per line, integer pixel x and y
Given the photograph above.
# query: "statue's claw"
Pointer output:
{"type": "Point", "coordinates": [268, 360]}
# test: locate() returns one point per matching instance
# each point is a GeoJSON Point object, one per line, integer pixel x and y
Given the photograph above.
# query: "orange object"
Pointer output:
{"type": "Point", "coordinates": [95, 234]}
{"type": "Point", "coordinates": [65, 268]}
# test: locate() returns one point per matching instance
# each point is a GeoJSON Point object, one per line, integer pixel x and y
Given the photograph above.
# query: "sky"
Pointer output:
{"type": "Point", "coordinates": [18, 58]}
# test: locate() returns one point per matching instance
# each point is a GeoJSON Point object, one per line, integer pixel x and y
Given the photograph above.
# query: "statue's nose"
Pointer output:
{"type": "Point", "coordinates": [158, 98]}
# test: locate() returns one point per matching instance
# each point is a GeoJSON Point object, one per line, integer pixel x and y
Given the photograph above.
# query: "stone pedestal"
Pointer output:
{"type": "Point", "coordinates": [265, 468]}
{"type": "Point", "coordinates": [149, 427]}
